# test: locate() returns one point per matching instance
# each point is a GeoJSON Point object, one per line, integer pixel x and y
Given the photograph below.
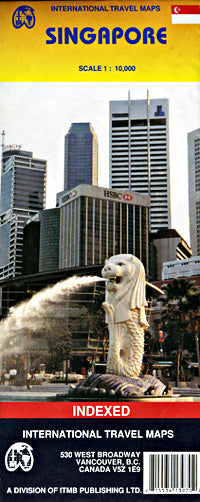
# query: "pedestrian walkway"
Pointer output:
{"type": "Point", "coordinates": [35, 393]}
{"type": "Point", "coordinates": [46, 391]}
{"type": "Point", "coordinates": [187, 391]}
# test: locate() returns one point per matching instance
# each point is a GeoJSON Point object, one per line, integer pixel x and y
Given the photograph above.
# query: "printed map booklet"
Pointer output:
{"type": "Point", "coordinates": [80, 76]}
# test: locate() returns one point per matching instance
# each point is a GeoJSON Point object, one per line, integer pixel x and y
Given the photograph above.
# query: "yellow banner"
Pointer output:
{"type": "Point", "coordinates": [99, 41]}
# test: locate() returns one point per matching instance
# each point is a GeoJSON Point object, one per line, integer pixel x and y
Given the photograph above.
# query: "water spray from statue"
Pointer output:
{"type": "Point", "coordinates": [32, 314]}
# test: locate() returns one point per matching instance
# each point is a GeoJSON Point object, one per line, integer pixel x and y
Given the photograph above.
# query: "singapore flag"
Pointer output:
{"type": "Point", "coordinates": [185, 14]}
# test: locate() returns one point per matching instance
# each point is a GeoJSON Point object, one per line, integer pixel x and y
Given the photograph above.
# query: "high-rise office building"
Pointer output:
{"type": "Point", "coordinates": [23, 190]}
{"type": "Point", "coordinates": [96, 223]}
{"type": "Point", "coordinates": [139, 153]}
{"type": "Point", "coordinates": [168, 246]}
{"type": "Point", "coordinates": [81, 156]}
{"type": "Point", "coordinates": [194, 189]}
{"type": "Point", "coordinates": [41, 242]}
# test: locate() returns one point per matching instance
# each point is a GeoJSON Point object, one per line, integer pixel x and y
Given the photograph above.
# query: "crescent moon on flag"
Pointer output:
{"type": "Point", "coordinates": [176, 10]}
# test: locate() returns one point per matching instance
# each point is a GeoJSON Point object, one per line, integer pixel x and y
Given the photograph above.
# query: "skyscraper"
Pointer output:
{"type": "Point", "coordinates": [96, 223]}
{"type": "Point", "coordinates": [139, 153]}
{"type": "Point", "coordinates": [194, 189]}
{"type": "Point", "coordinates": [23, 190]}
{"type": "Point", "coordinates": [81, 156]}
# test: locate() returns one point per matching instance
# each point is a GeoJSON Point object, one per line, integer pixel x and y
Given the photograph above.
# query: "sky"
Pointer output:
{"type": "Point", "coordinates": [37, 115]}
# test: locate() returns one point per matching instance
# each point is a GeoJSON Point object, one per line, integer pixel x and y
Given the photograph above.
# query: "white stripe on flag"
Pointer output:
{"type": "Point", "coordinates": [185, 18]}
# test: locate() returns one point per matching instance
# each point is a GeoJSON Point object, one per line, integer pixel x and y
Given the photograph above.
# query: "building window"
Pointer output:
{"type": "Point", "coordinates": [137, 231]}
{"type": "Point", "coordinates": [198, 226]}
{"type": "Point", "coordinates": [82, 231]}
{"type": "Point", "coordinates": [197, 164]}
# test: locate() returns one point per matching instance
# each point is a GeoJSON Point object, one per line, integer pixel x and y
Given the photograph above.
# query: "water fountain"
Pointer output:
{"type": "Point", "coordinates": [33, 315]}
{"type": "Point", "coordinates": [125, 315]}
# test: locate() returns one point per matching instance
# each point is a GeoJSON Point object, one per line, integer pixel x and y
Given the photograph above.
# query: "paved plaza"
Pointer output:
{"type": "Point", "coordinates": [46, 391]}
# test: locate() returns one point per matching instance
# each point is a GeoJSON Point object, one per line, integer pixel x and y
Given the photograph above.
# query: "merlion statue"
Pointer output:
{"type": "Point", "coordinates": [125, 314]}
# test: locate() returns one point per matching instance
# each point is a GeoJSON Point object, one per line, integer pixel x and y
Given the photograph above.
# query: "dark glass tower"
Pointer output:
{"type": "Point", "coordinates": [23, 189]}
{"type": "Point", "coordinates": [81, 156]}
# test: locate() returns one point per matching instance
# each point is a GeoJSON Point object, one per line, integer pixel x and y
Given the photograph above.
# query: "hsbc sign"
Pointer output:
{"type": "Point", "coordinates": [117, 195]}
{"type": "Point", "coordinates": [127, 196]}
{"type": "Point", "coordinates": [69, 196]}
{"type": "Point", "coordinates": [111, 194]}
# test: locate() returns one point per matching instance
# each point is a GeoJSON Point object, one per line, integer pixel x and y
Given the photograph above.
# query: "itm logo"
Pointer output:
{"type": "Point", "coordinates": [23, 15]}
{"type": "Point", "coordinates": [19, 455]}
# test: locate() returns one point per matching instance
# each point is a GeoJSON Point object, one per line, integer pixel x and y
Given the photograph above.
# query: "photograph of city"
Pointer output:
{"type": "Point", "coordinates": [90, 171]}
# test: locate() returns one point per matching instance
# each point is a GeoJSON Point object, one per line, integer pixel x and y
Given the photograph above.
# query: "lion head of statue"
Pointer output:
{"type": "Point", "coordinates": [125, 286]}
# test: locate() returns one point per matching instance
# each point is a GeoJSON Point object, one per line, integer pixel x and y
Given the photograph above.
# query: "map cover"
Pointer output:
{"type": "Point", "coordinates": [105, 96]}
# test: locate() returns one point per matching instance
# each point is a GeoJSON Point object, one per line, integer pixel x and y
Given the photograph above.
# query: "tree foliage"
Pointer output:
{"type": "Point", "coordinates": [59, 343]}
{"type": "Point", "coordinates": [96, 320]}
{"type": "Point", "coordinates": [180, 316]}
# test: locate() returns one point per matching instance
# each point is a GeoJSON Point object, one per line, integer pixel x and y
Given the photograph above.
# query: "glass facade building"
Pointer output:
{"type": "Point", "coordinates": [23, 189]}
{"type": "Point", "coordinates": [139, 153]}
{"type": "Point", "coordinates": [96, 223]}
{"type": "Point", "coordinates": [194, 189]}
{"type": "Point", "coordinates": [31, 246]}
{"type": "Point", "coordinates": [81, 156]}
{"type": "Point", "coordinates": [49, 240]}
{"type": "Point", "coordinates": [41, 242]}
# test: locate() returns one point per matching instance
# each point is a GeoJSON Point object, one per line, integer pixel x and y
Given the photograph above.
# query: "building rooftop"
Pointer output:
{"type": "Point", "coordinates": [168, 233]}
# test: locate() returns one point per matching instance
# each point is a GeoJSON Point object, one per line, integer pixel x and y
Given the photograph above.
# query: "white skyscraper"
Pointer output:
{"type": "Point", "coordinates": [139, 153]}
{"type": "Point", "coordinates": [194, 189]}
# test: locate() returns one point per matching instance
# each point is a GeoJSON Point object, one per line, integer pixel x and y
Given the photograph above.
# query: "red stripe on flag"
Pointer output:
{"type": "Point", "coordinates": [69, 410]}
{"type": "Point", "coordinates": [185, 9]}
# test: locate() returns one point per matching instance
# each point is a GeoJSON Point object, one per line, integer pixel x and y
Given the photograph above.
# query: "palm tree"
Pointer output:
{"type": "Point", "coordinates": [194, 316]}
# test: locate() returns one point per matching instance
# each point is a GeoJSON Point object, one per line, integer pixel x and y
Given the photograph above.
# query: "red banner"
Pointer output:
{"type": "Point", "coordinates": [168, 409]}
